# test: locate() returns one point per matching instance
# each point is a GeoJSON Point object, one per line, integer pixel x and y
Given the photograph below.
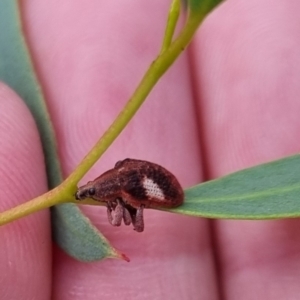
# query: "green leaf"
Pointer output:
{"type": "Point", "coordinates": [16, 70]}
{"type": "Point", "coordinates": [267, 191]}
{"type": "Point", "coordinates": [71, 229]}
{"type": "Point", "coordinates": [81, 241]}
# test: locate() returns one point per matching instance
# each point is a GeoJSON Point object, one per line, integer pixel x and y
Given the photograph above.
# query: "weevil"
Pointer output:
{"type": "Point", "coordinates": [131, 186]}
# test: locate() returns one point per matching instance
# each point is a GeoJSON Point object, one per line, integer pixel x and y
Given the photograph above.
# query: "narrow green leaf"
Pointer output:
{"type": "Point", "coordinates": [267, 191]}
{"type": "Point", "coordinates": [16, 70]}
{"type": "Point", "coordinates": [71, 229]}
{"type": "Point", "coordinates": [79, 239]}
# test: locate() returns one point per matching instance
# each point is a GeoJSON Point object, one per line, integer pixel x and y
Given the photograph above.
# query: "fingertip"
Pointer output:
{"type": "Point", "coordinates": [25, 244]}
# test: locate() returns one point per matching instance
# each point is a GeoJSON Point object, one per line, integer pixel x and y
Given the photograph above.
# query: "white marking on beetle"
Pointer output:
{"type": "Point", "coordinates": [152, 189]}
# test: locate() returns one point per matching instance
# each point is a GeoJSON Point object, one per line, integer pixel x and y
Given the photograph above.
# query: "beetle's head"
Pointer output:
{"type": "Point", "coordinates": [86, 191]}
{"type": "Point", "coordinates": [103, 188]}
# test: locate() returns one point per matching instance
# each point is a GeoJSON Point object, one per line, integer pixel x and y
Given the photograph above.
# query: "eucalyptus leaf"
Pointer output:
{"type": "Point", "coordinates": [267, 191]}
{"type": "Point", "coordinates": [71, 229]}
{"type": "Point", "coordinates": [78, 238]}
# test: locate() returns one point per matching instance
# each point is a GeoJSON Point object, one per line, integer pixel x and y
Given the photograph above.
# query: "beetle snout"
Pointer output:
{"type": "Point", "coordinates": [77, 195]}
{"type": "Point", "coordinates": [80, 195]}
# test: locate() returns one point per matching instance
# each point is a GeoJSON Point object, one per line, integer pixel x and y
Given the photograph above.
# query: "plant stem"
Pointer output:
{"type": "Point", "coordinates": [46, 200]}
{"type": "Point", "coordinates": [171, 25]}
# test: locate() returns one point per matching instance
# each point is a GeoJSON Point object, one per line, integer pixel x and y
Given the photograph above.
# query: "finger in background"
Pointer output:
{"type": "Point", "coordinates": [248, 69]}
{"type": "Point", "coordinates": [25, 248]}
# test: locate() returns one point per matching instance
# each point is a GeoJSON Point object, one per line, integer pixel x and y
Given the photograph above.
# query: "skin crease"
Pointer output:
{"type": "Point", "coordinates": [245, 91]}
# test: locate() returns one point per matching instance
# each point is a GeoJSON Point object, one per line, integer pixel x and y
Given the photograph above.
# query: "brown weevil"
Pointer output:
{"type": "Point", "coordinates": [131, 186]}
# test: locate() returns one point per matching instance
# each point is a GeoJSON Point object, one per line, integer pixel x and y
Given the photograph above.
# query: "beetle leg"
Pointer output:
{"type": "Point", "coordinates": [115, 213]}
{"type": "Point", "coordinates": [126, 216]}
{"type": "Point", "coordinates": [109, 214]}
{"type": "Point", "coordinates": [139, 220]}
{"type": "Point", "coordinates": [118, 214]}
{"type": "Point", "coordinates": [131, 211]}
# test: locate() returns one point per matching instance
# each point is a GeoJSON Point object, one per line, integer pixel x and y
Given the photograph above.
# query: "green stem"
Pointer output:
{"type": "Point", "coordinates": [171, 25]}
{"type": "Point", "coordinates": [46, 200]}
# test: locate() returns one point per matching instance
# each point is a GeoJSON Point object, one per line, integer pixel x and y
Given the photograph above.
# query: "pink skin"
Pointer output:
{"type": "Point", "coordinates": [90, 56]}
